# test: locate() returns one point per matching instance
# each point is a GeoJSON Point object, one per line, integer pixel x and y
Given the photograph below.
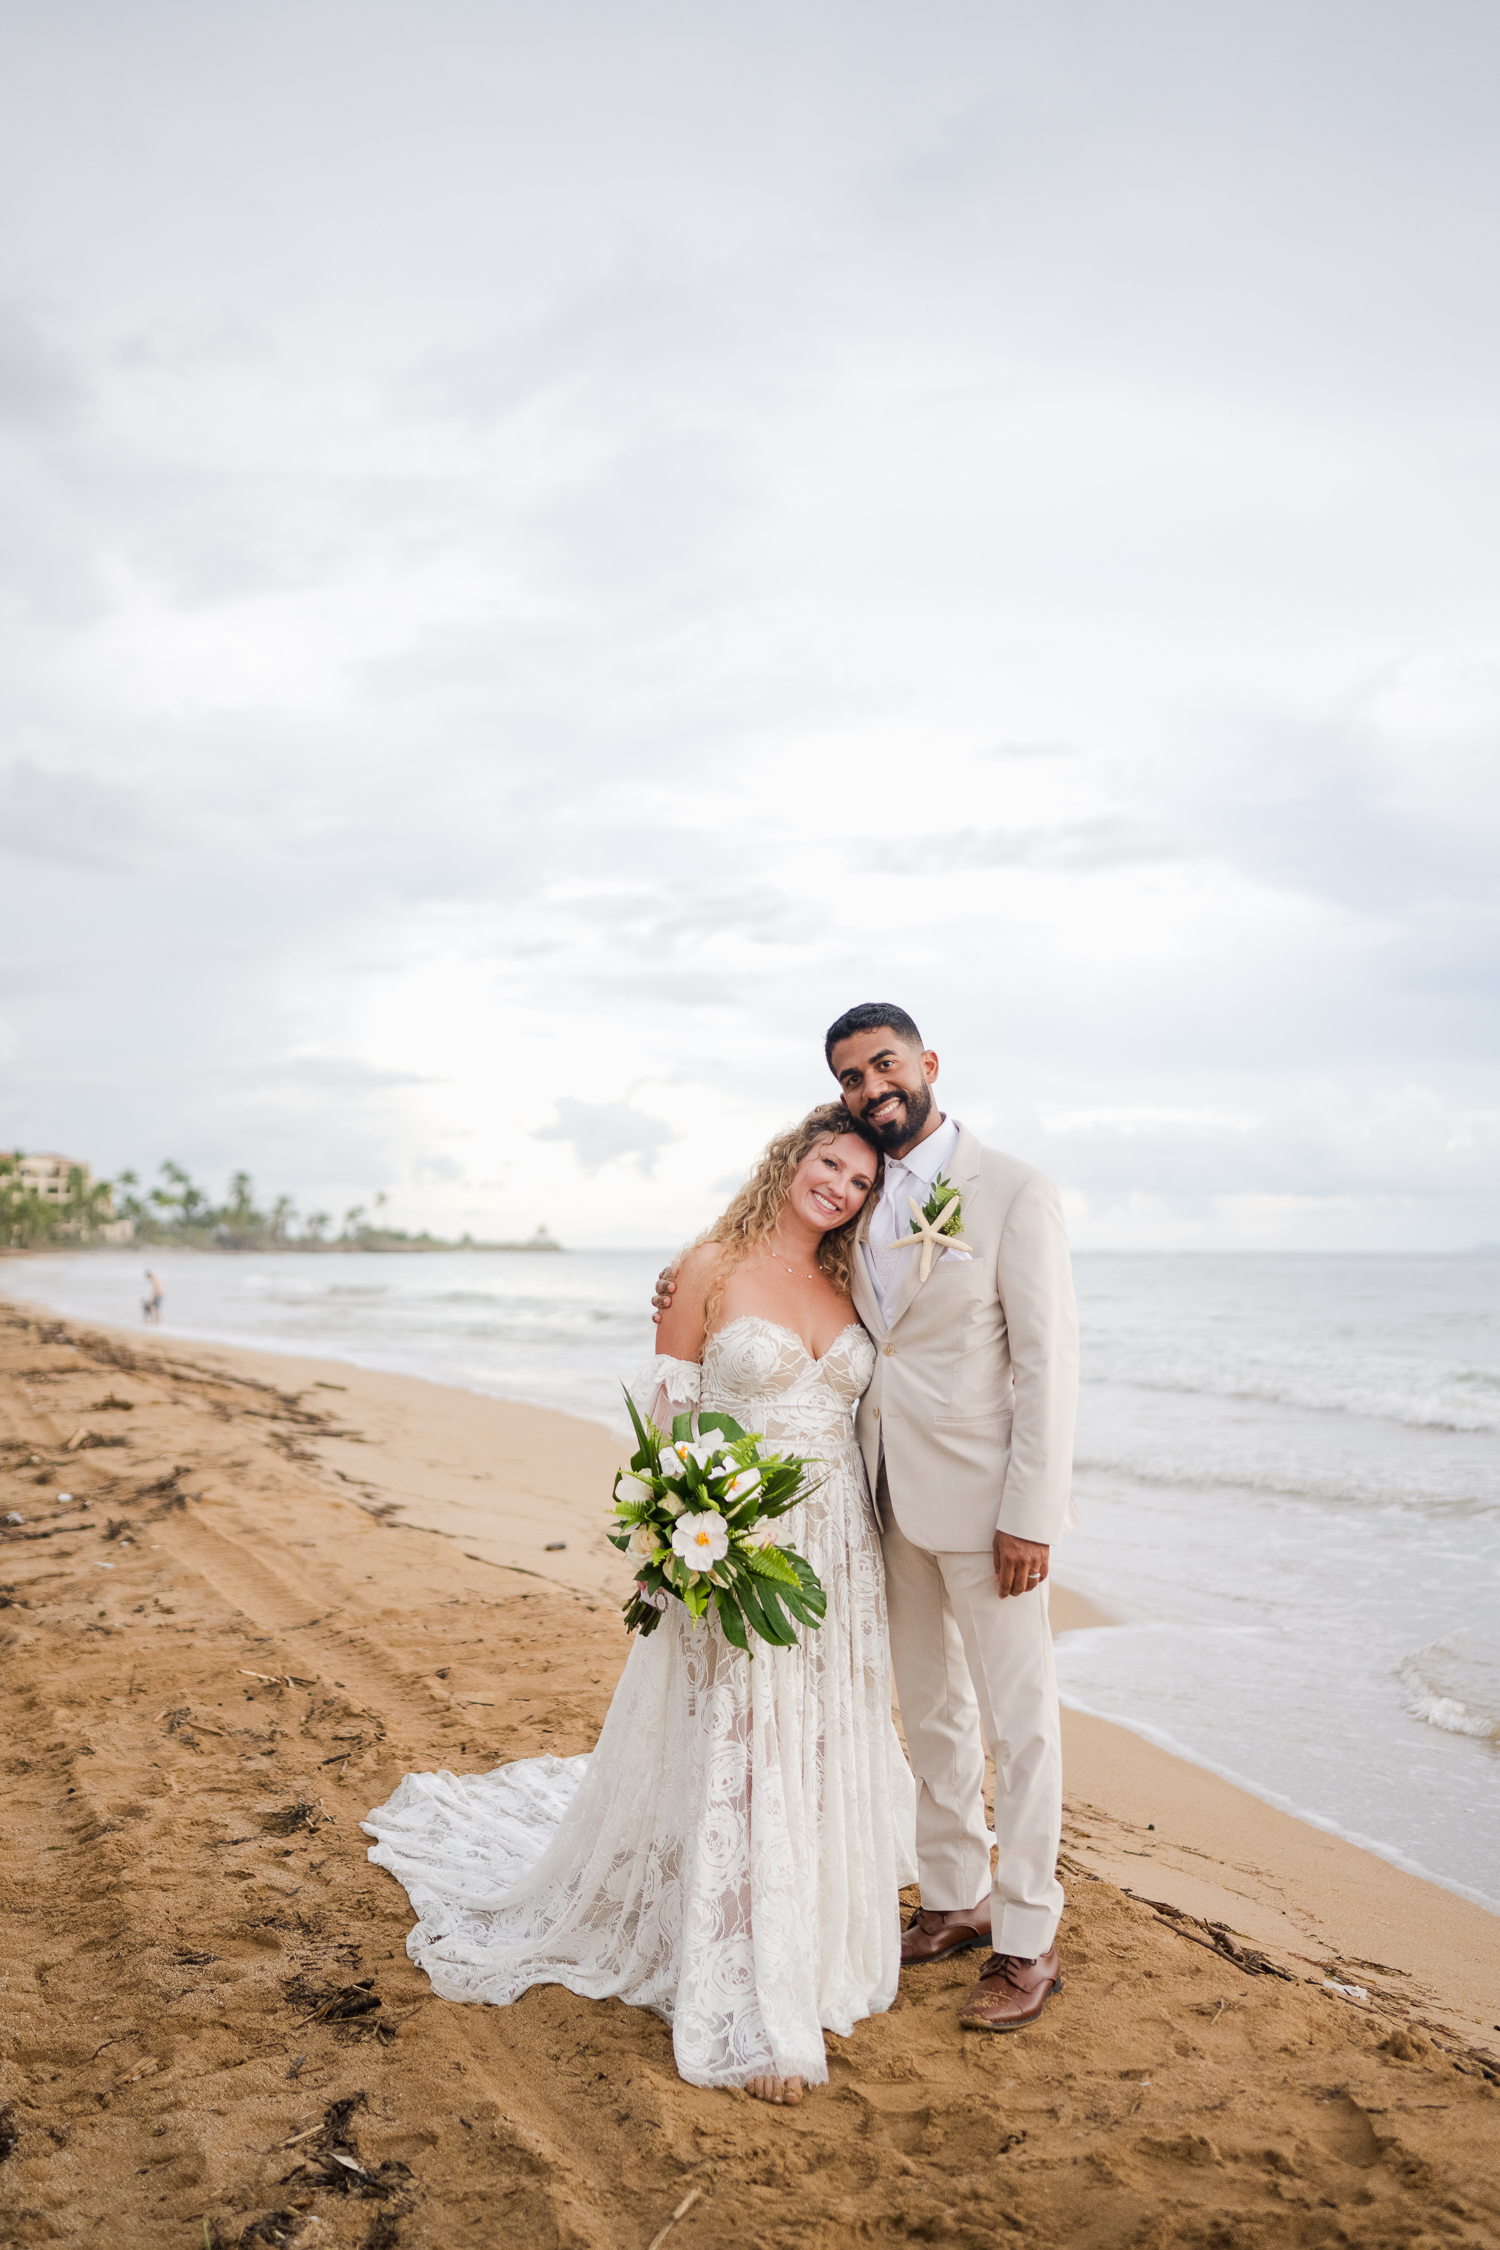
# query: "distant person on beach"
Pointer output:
{"type": "Point", "coordinates": [151, 1303]}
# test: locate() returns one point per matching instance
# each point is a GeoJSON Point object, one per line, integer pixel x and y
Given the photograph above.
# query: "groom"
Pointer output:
{"type": "Point", "coordinates": [967, 1434]}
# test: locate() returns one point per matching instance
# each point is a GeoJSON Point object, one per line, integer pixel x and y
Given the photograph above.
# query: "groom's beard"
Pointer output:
{"type": "Point", "coordinates": [916, 1109]}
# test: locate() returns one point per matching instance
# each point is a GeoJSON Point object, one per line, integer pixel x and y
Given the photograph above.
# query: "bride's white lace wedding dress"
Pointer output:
{"type": "Point", "coordinates": [731, 1852]}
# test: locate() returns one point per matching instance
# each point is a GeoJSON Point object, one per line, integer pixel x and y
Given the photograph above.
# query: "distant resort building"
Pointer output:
{"type": "Point", "coordinates": [51, 1177]}
{"type": "Point", "coordinates": [47, 1174]}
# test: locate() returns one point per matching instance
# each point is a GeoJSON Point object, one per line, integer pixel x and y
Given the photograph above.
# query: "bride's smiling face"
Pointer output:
{"type": "Point", "coordinates": [830, 1184]}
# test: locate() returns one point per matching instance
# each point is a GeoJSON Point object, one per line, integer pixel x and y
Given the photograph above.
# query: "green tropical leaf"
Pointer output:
{"type": "Point", "coordinates": [769, 1595]}
{"type": "Point", "coordinates": [764, 1615]}
{"type": "Point", "coordinates": [724, 1423]}
{"type": "Point", "coordinates": [731, 1620]}
{"type": "Point", "coordinates": [811, 1583]}
{"type": "Point", "coordinates": [682, 1428]}
{"type": "Point", "coordinates": [740, 1584]}
{"type": "Point", "coordinates": [645, 1431]}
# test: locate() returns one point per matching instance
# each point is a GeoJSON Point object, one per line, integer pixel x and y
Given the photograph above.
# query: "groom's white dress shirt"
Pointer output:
{"type": "Point", "coordinates": [905, 1176]}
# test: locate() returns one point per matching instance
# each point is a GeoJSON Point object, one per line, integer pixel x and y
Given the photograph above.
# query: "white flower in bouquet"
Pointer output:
{"type": "Point", "coordinates": [644, 1543]}
{"type": "Point", "coordinates": [742, 1486]}
{"type": "Point", "coordinates": [763, 1534]}
{"type": "Point", "coordinates": [705, 1451]}
{"type": "Point", "coordinates": [701, 1539]}
{"type": "Point", "coordinates": [638, 1491]}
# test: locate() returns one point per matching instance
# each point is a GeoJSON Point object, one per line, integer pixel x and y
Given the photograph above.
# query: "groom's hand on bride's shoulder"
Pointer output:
{"type": "Point", "coordinates": [1020, 1564]}
{"type": "Point", "coordinates": [666, 1287]}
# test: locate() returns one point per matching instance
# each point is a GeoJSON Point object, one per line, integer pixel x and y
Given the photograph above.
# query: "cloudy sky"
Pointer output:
{"type": "Point", "coordinates": [545, 552]}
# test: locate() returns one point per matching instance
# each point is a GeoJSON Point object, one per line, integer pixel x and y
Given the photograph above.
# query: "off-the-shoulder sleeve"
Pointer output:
{"type": "Point", "coordinates": [665, 1387]}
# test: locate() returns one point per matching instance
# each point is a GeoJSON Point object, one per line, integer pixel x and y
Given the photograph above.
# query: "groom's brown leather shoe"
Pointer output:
{"type": "Point", "coordinates": [1011, 1993]}
{"type": "Point", "coordinates": [930, 1935]}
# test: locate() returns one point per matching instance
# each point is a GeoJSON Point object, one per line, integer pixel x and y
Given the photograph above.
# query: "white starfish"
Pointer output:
{"type": "Point", "coordinates": [925, 1232]}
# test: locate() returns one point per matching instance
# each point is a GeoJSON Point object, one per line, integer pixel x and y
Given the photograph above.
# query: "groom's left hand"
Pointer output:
{"type": "Point", "coordinates": [1020, 1564]}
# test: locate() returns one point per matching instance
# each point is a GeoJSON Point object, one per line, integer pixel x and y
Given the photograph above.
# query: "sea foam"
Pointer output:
{"type": "Point", "coordinates": [1455, 1686]}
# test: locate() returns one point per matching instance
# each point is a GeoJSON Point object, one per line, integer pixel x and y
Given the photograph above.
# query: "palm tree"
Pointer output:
{"type": "Point", "coordinates": [240, 1211]}
{"type": "Point", "coordinates": [188, 1202]}
{"type": "Point", "coordinates": [88, 1203]}
{"type": "Point", "coordinates": [129, 1204]}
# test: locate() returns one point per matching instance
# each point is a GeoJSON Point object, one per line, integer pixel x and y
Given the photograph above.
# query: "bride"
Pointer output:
{"type": "Point", "coordinates": [731, 1853]}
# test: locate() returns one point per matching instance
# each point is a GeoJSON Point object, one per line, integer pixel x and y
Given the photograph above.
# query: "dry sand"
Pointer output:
{"type": "Point", "coordinates": [292, 1583]}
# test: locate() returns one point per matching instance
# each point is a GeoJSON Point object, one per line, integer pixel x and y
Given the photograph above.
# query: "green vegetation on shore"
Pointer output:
{"type": "Point", "coordinates": [181, 1214]}
{"type": "Point", "coordinates": [28, 1217]}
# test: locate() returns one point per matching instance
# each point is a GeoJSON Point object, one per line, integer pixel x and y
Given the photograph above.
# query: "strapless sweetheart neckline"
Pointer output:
{"type": "Point", "coordinates": [760, 1320]}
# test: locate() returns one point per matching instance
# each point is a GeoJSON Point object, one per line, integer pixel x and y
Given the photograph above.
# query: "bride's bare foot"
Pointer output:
{"type": "Point", "coordinates": [775, 2089]}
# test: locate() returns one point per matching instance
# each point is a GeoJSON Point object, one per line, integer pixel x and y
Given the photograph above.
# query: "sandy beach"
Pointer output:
{"type": "Point", "coordinates": [274, 1585]}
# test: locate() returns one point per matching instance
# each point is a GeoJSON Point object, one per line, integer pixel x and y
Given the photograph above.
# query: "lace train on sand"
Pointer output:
{"type": "Point", "coordinates": [731, 1852]}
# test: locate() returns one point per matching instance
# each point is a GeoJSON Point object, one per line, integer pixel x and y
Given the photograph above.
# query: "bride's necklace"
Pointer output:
{"type": "Point", "coordinates": [798, 1273]}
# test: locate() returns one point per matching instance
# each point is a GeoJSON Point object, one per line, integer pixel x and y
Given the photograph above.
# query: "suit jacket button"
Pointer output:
{"type": "Point", "coordinates": [889, 1350]}
{"type": "Point", "coordinates": [877, 1413]}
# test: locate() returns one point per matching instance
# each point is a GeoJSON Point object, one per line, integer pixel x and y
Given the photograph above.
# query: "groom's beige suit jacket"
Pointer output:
{"type": "Point", "coordinates": [976, 1372]}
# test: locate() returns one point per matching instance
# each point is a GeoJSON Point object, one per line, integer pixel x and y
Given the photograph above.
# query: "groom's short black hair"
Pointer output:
{"type": "Point", "coordinates": [870, 1015]}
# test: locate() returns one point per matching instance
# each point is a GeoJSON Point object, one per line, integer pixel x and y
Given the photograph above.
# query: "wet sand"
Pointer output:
{"type": "Point", "coordinates": [294, 1581]}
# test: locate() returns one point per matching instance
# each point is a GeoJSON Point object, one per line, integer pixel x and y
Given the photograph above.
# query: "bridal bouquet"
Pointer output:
{"type": "Point", "coordinates": [696, 1512]}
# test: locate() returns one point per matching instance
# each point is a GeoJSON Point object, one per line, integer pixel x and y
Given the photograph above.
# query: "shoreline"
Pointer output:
{"type": "Point", "coordinates": [1152, 1738]}
{"type": "Point", "coordinates": [227, 1635]}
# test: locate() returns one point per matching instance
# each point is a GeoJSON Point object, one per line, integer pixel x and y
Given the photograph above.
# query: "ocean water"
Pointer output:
{"type": "Point", "coordinates": [1288, 1467]}
{"type": "Point", "coordinates": [561, 1329]}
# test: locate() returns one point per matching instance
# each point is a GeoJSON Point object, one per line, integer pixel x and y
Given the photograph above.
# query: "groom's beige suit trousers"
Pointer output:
{"type": "Point", "coordinates": [972, 1673]}
{"type": "Point", "coordinates": [966, 1429]}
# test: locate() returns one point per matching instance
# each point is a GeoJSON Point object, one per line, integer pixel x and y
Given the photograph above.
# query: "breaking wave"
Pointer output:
{"type": "Point", "coordinates": [1455, 1686]}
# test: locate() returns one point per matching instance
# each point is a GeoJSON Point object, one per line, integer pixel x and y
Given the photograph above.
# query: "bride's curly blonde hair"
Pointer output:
{"type": "Point", "coordinates": [751, 1218]}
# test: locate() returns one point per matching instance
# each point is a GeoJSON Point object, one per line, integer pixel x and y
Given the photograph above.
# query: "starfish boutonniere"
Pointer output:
{"type": "Point", "coordinates": [935, 1224]}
